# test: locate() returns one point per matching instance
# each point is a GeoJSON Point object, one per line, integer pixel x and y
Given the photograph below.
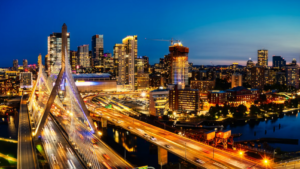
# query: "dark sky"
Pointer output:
{"type": "Point", "coordinates": [220, 32]}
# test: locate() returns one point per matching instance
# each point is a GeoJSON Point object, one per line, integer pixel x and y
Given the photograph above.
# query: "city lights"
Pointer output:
{"type": "Point", "coordinates": [182, 100]}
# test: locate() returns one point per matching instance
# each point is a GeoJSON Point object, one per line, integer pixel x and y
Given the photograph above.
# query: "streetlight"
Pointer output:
{"type": "Point", "coordinates": [266, 161]}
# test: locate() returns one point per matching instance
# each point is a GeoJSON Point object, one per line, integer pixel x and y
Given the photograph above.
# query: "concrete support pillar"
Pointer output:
{"type": "Point", "coordinates": [103, 122]}
{"type": "Point", "coordinates": [162, 156]}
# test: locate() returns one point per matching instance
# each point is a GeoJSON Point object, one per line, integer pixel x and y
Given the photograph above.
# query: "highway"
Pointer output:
{"type": "Point", "coordinates": [98, 148]}
{"type": "Point", "coordinates": [179, 145]}
{"type": "Point", "coordinates": [26, 156]}
{"type": "Point", "coordinates": [56, 147]}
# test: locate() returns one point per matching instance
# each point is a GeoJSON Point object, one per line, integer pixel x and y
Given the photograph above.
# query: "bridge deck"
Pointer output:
{"type": "Point", "coordinates": [26, 156]}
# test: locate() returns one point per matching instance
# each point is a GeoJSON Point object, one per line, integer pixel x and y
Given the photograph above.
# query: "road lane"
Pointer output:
{"type": "Point", "coordinates": [195, 149]}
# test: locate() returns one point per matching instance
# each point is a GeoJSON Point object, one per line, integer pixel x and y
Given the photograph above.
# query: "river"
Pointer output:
{"type": "Point", "coordinates": [289, 129]}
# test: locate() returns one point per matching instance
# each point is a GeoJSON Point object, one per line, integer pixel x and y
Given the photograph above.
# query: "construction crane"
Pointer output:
{"type": "Point", "coordinates": [172, 40]}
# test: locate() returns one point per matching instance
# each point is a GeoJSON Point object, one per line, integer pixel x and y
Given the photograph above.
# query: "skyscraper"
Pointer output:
{"type": "Point", "coordinates": [83, 56]}
{"type": "Point", "coordinates": [55, 51]}
{"type": "Point", "coordinates": [15, 64]}
{"type": "Point", "coordinates": [97, 51]}
{"type": "Point", "coordinates": [257, 77]}
{"type": "Point", "coordinates": [278, 62]}
{"type": "Point", "coordinates": [125, 63]}
{"type": "Point", "coordinates": [262, 57]}
{"type": "Point", "coordinates": [292, 75]}
{"type": "Point", "coordinates": [25, 64]}
{"type": "Point", "coordinates": [236, 80]}
{"type": "Point", "coordinates": [179, 65]}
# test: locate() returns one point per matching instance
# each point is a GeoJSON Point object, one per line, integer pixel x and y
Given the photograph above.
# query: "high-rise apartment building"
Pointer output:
{"type": "Point", "coordinates": [108, 63]}
{"type": "Point", "coordinates": [125, 63]}
{"type": "Point", "coordinates": [73, 60]}
{"type": "Point", "coordinates": [262, 57]}
{"type": "Point", "coordinates": [292, 76]}
{"type": "Point", "coordinates": [25, 64]}
{"type": "Point", "coordinates": [83, 56]}
{"type": "Point", "coordinates": [55, 51]}
{"type": "Point", "coordinates": [278, 62]}
{"type": "Point", "coordinates": [236, 80]}
{"type": "Point", "coordinates": [97, 51]}
{"type": "Point", "coordinates": [179, 65]}
{"type": "Point", "coordinates": [257, 77]}
{"type": "Point", "coordinates": [15, 64]}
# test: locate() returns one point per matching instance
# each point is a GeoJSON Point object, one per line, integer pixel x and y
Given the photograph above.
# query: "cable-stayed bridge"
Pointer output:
{"type": "Point", "coordinates": [59, 118]}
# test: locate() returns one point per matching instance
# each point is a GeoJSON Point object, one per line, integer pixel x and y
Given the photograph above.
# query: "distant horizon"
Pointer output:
{"type": "Point", "coordinates": [222, 32]}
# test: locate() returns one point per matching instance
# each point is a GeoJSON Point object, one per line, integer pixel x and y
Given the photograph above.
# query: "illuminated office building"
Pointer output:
{"type": "Point", "coordinates": [125, 55]}
{"type": "Point", "coordinates": [83, 56]}
{"type": "Point", "coordinates": [73, 60]}
{"type": "Point", "coordinates": [179, 65]}
{"type": "Point", "coordinates": [97, 51]}
{"type": "Point", "coordinates": [257, 77]}
{"type": "Point", "coordinates": [292, 75]}
{"type": "Point", "coordinates": [183, 99]}
{"type": "Point", "coordinates": [236, 80]}
{"type": "Point", "coordinates": [262, 57]}
{"type": "Point", "coordinates": [54, 50]}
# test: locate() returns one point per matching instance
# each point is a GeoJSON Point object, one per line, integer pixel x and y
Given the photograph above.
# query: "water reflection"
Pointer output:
{"type": "Point", "coordinates": [280, 126]}
{"type": "Point", "coordinates": [125, 138]}
{"type": "Point", "coordinates": [134, 149]}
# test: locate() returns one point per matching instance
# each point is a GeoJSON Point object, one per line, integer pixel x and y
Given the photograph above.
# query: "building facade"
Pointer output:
{"type": "Point", "coordinates": [97, 51]}
{"type": "Point", "coordinates": [126, 63]}
{"type": "Point", "coordinates": [25, 64]}
{"type": "Point", "coordinates": [292, 76]}
{"type": "Point", "coordinates": [262, 57]}
{"type": "Point", "coordinates": [278, 62]}
{"type": "Point", "coordinates": [202, 85]}
{"type": "Point", "coordinates": [236, 80]}
{"type": "Point", "coordinates": [179, 65]}
{"type": "Point", "coordinates": [184, 99]}
{"type": "Point", "coordinates": [158, 102]}
{"type": "Point", "coordinates": [83, 56]}
{"type": "Point", "coordinates": [15, 64]}
{"type": "Point", "coordinates": [55, 52]}
{"type": "Point", "coordinates": [257, 77]}
{"type": "Point", "coordinates": [73, 60]}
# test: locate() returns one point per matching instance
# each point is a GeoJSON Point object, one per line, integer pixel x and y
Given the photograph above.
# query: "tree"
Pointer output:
{"type": "Point", "coordinates": [212, 112]}
{"type": "Point", "coordinates": [254, 110]}
{"type": "Point", "coordinates": [241, 110]}
{"type": "Point", "coordinates": [225, 111]}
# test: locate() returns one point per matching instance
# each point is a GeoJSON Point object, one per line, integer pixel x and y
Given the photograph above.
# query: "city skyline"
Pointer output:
{"type": "Point", "coordinates": [233, 30]}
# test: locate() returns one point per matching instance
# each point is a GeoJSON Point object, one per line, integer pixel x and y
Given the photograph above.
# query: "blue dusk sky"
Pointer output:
{"type": "Point", "coordinates": [220, 32]}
